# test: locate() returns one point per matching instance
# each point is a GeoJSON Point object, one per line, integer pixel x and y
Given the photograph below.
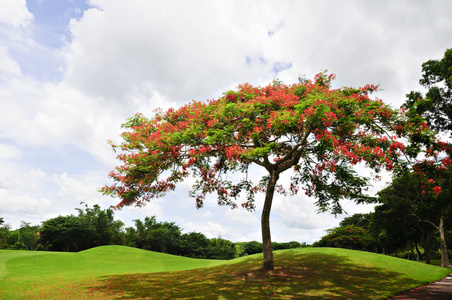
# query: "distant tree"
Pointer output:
{"type": "Point", "coordinates": [28, 235]}
{"type": "Point", "coordinates": [253, 247]}
{"type": "Point", "coordinates": [165, 237]}
{"type": "Point", "coordinates": [106, 230]}
{"type": "Point", "coordinates": [239, 250]}
{"type": "Point", "coordinates": [66, 233]}
{"type": "Point", "coordinates": [318, 132]}
{"type": "Point", "coordinates": [13, 238]}
{"type": "Point", "coordinates": [155, 236]}
{"type": "Point", "coordinates": [358, 220]}
{"type": "Point", "coordinates": [288, 245]}
{"type": "Point", "coordinates": [4, 232]}
{"type": "Point", "coordinates": [348, 237]}
{"type": "Point", "coordinates": [436, 106]}
{"type": "Point", "coordinates": [194, 244]}
{"type": "Point", "coordinates": [221, 249]}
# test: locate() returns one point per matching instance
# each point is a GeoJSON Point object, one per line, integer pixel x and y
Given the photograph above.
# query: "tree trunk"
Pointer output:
{"type": "Point", "coordinates": [418, 252]}
{"type": "Point", "coordinates": [265, 223]}
{"type": "Point", "coordinates": [442, 243]}
{"type": "Point", "coordinates": [427, 236]}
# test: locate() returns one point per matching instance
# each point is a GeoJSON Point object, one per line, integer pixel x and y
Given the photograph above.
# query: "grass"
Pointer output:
{"type": "Point", "coordinates": [115, 272]}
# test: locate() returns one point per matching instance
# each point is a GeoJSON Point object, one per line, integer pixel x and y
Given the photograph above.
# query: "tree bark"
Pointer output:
{"type": "Point", "coordinates": [418, 253]}
{"type": "Point", "coordinates": [427, 245]}
{"type": "Point", "coordinates": [442, 243]}
{"type": "Point", "coordinates": [265, 222]}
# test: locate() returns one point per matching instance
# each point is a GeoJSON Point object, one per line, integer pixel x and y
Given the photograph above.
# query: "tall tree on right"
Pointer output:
{"type": "Point", "coordinates": [425, 195]}
{"type": "Point", "coordinates": [436, 105]}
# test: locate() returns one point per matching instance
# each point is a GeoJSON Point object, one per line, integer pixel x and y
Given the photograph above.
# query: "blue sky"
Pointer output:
{"type": "Point", "coordinates": [72, 71]}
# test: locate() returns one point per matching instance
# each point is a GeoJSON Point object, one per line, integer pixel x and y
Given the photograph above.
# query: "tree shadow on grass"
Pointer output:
{"type": "Point", "coordinates": [298, 275]}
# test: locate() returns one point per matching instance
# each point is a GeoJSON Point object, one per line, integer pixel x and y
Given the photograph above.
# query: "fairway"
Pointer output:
{"type": "Point", "coordinates": [118, 272]}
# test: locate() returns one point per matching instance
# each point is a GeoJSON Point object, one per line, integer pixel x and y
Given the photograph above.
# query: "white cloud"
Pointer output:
{"type": "Point", "coordinates": [127, 56]}
{"type": "Point", "coordinates": [9, 151]}
{"type": "Point", "coordinates": [7, 64]}
{"type": "Point", "coordinates": [241, 217]}
{"type": "Point", "coordinates": [181, 50]}
{"type": "Point", "coordinates": [209, 229]}
{"type": "Point", "coordinates": [15, 13]}
{"type": "Point", "coordinates": [38, 174]}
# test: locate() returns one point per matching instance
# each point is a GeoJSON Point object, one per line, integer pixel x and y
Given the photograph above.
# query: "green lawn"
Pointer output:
{"type": "Point", "coordinates": [116, 272]}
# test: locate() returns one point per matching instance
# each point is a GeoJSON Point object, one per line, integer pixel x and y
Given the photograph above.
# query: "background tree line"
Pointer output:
{"type": "Point", "coordinates": [92, 227]}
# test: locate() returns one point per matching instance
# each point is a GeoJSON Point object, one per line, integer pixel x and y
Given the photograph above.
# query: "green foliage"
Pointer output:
{"type": "Point", "coordinates": [194, 244]}
{"type": "Point", "coordinates": [436, 106]}
{"type": "Point", "coordinates": [92, 227]}
{"type": "Point", "coordinates": [358, 220]}
{"type": "Point", "coordinates": [221, 249]}
{"type": "Point", "coordinates": [66, 233]}
{"type": "Point", "coordinates": [424, 196]}
{"type": "Point", "coordinates": [253, 247]}
{"type": "Point", "coordinates": [155, 236]}
{"type": "Point", "coordinates": [106, 230]}
{"type": "Point", "coordinates": [348, 237]}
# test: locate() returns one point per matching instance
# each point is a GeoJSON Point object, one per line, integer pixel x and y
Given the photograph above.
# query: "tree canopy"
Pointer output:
{"type": "Point", "coordinates": [436, 105]}
{"type": "Point", "coordinates": [425, 195]}
{"type": "Point", "coordinates": [318, 133]}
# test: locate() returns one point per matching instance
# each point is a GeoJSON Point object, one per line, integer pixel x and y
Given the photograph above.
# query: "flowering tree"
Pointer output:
{"type": "Point", "coordinates": [316, 132]}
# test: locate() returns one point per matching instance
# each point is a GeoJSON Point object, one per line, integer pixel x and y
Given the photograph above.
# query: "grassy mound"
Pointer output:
{"type": "Point", "coordinates": [116, 272]}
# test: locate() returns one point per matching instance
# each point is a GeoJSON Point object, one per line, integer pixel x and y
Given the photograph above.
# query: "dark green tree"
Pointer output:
{"type": "Point", "coordinates": [253, 247]}
{"type": "Point", "coordinates": [194, 244]}
{"type": "Point", "coordinates": [358, 220]}
{"type": "Point", "coordinates": [408, 233]}
{"type": "Point", "coordinates": [425, 195]}
{"type": "Point", "coordinates": [155, 236]}
{"type": "Point", "coordinates": [221, 249]}
{"type": "Point", "coordinates": [4, 232]}
{"type": "Point", "coordinates": [288, 245]}
{"type": "Point", "coordinates": [66, 233]}
{"type": "Point", "coordinates": [348, 237]}
{"type": "Point", "coordinates": [106, 230]}
{"type": "Point", "coordinates": [28, 235]}
{"type": "Point", "coordinates": [436, 105]}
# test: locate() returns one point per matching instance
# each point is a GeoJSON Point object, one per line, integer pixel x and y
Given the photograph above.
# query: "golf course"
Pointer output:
{"type": "Point", "coordinates": [118, 272]}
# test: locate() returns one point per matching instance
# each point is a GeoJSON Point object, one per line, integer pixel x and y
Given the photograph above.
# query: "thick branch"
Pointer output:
{"type": "Point", "coordinates": [294, 155]}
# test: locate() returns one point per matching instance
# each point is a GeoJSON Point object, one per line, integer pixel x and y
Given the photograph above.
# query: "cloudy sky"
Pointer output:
{"type": "Point", "coordinates": [72, 71]}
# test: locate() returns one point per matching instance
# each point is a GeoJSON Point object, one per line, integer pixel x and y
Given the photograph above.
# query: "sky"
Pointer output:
{"type": "Point", "coordinates": [72, 71]}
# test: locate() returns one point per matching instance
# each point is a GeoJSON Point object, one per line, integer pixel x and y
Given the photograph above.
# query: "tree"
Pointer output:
{"type": "Point", "coordinates": [221, 249]}
{"type": "Point", "coordinates": [66, 233]}
{"type": "Point", "coordinates": [318, 132]}
{"type": "Point", "coordinates": [436, 106]}
{"type": "Point", "coordinates": [358, 220]}
{"type": "Point", "coordinates": [155, 236]}
{"type": "Point", "coordinates": [424, 194]}
{"type": "Point", "coordinates": [29, 235]}
{"type": "Point", "coordinates": [253, 247]}
{"type": "Point", "coordinates": [194, 244]}
{"type": "Point", "coordinates": [348, 237]}
{"type": "Point", "coordinates": [106, 230]}
{"type": "Point", "coordinates": [4, 232]}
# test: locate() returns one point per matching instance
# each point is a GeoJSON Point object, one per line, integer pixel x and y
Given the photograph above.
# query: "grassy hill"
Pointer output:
{"type": "Point", "coordinates": [117, 272]}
